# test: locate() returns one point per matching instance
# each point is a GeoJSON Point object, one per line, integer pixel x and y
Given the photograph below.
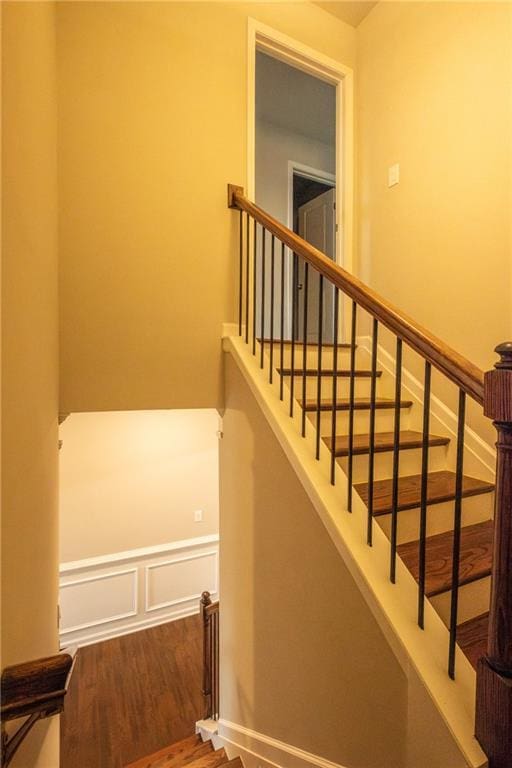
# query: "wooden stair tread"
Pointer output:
{"type": "Point", "coordinates": [211, 760]}
{"type": "Point", "coordinates": [475, 557]}
{"type": "Point", "coordinates": [236, 762]}
{"type": "Point", "coordinates": [440, 487]}
{"type": "Point", "coordinates": [358, 373]}
{"type": "Point", "coordinates": [178, 754]}
{"type": "Point", "coordinates": [384, 441]}
{"type": "Point", "coordinates": [472, 637]}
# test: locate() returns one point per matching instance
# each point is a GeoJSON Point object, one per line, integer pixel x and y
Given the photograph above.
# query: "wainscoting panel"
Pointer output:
{"type": "Point", "coordinates": [112, 595]}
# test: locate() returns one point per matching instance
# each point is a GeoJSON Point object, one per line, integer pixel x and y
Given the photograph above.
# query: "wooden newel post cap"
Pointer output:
{"type": "Point", "coordinates": [498, 386]}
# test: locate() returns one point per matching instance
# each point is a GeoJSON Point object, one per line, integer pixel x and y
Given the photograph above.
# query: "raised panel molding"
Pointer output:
{"type": "Point", "coordinates": [112, 595]}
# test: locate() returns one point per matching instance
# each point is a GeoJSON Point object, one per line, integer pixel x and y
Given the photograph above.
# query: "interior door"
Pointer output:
{"type": "Point", "coordinates": [317, 225]}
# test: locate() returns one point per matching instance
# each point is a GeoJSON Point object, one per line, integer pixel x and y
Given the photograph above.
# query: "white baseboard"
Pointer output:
{"type": "Point", "coordinates": [123, 592]}
{"type": "Point", "coordinates": [260, 751]}
{"type": "Point", "coordinates": [482, 451]}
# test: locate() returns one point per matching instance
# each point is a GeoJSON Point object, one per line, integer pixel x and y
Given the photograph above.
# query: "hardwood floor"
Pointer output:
{"type": "Point", "coordinates": [133, 695]}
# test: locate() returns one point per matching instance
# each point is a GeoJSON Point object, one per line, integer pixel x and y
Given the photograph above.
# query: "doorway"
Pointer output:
{"type": "Point", "coordinates": [300, 147]}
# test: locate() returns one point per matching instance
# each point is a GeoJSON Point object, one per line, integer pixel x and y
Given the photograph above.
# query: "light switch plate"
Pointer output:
{"type": "Point", "coordinates": [393, 175]}
{"type": "Point", "coordinates": [198, 516]}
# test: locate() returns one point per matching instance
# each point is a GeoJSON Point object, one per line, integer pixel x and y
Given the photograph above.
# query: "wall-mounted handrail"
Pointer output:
{"type": "Point", "coordinates": [36, 690]}
{"type": "Point", "coordinates": [454, 366]}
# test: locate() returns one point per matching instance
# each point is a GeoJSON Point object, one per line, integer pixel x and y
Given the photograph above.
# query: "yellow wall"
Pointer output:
{"type": "Point", "coordinates": [134, 479]}
{"type": "Point", "coordinates": [434, 93]}
{"type": "Point", "coordinates": [153, 100]}
{"type": "Point", "coordinates": [29, 346]}
{"type": "Point", "coordinates": [304, 661]}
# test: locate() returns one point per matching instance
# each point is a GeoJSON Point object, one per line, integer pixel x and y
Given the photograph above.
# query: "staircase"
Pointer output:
{"type": "Point", "coordinates": [400, 460]}
{"type": "Point", "coordinates": [192, 752]}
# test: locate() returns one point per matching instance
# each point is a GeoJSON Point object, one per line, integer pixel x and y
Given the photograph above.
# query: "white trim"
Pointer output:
{"type": "Point", "coordinates": [137, 554]}
{"type": "Point", "coordinates": [182, 601]}
{"type": "Point", "coordinates": [137, 626]}
{"type": "Point", "coordinates": [293, 52]}
{"type": "Point", "coordinates": [482, 451]}
{"type": "Point", "coordinates": [158, 606]}
{"type": "Point", "coordinates": [255, 748]}
{"type": "Point", "coordinates": [107, 619]}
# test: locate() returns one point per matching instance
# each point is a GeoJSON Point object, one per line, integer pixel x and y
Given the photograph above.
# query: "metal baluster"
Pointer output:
{"type": "Point", "coordinates": [305, 345]}
{"type": "Point", "coordinates": [272, 266]}
{"type": "Point", "coordinates": [262, 323]}
{"type": "Point", "coordinates": [396, 459]}
{"type": "Point", "coordinates": [241, 276]}
{"type": "Point", "coordinates": [351, 404]}
{"type": "Point", "coordinates": [294, 312]}
{"type": "Point", "coordinates": [281, 346]}
{"type": "Point", "coordinates": [254, 271]}
{"type": "Point", "coordinates": [371, 454]}
{"type": "Point", "coordinates": [334, 387]}
{"type": "Point", "coordinates": [247, 266]}
{"type": "Point", "coordinates": [457, 521]}
{"type": "Point", "coordinates": [319, 372]}
{"type": "Point", "coordinates": [423, 498]}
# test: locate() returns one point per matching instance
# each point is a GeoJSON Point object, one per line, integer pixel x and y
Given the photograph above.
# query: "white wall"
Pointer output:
{"type": "Point", "coordinates": [275, 146]}
{"type": "Point", "coordinates": [134, 479]}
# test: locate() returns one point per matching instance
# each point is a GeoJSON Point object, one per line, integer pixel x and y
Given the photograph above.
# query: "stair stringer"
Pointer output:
{"type": "Point", "coordinates": [393, 606]}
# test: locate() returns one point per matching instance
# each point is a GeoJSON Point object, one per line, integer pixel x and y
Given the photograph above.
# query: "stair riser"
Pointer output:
{"type": "Point", "coordinates": [410, 463]}
{"type": "Point", "coordinates": [475, 509]}
{"type": "Point", "coordinates": [362, 386]}
{"type": "Point", "coordinates": [311, 356]}
{"type": "Point", "coordinates": [473, 601]}
{"type": "Point", "coordinates": [384, 421]}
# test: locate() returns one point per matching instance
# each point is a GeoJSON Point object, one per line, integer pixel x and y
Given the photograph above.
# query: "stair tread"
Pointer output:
{"type": "Point", "coordinates": [384, 441]}
{"type": "Point", "coordinates": [313, 371]}
{"type": "Point", "coordinates": [211, 760]}
{"type": "Point", "coordinates": [472, 637]}
{"type": "Point", "coordinates": [236, 762]}
{"type": "Point", "coordinates": [475, 557]}
{"type": "Point", "coordinates": [440, 487]}
{"type": "Point", "coordinates": [178, 754]}
{"type": "Point", "coordinates": [360, 403]}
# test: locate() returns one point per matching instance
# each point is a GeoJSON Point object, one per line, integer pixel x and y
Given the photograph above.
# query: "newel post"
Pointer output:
{"type": "Point", "coordinates": [494, 672]}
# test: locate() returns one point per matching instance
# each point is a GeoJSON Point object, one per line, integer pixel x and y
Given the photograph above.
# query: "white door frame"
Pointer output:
{"type": "Point", "coordinates": [268, 40]}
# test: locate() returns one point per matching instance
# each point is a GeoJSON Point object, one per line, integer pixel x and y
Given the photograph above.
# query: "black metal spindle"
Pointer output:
{"type": "Point", "coordinates": [294, 314]}
{"type": "Point", "coordinates": [254, 276]}
{"type": "Point", "coordinates": [334, 386]}
{"type": "Point", "coordinates": [241, 271]}
{"type": "Point", "coordinates": [247, 265]}
{"type": "Point", "coordinates": [272, 267]}
{"type": "Point", "coordinates": [319, 369]}
{"type": "Point", "coordinates": [371, 452]}
{"type": "Point", "coordinates": [351, 406]}
{"type": "Point", "coordinates": [305, 345]}
{"type": "Point", "coordinates": [281, 345]}
{"type": "Point", "coordinates": [457, 521]}
{"type": "Point", "coordinates": [396, 459]}
{"type": "Point", "coordinates": [423, 497]}
{"type": "Point", "coordinates": [262, 319]}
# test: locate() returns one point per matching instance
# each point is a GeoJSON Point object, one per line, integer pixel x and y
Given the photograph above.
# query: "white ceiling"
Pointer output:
{"type": "Point", "coordinates": [350, 12]}
{"type": "Point", "coordinates": [294, 100]}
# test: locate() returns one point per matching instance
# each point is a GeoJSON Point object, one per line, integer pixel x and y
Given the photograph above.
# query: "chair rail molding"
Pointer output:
{"type": "Point", "coordinates": [121, 592]}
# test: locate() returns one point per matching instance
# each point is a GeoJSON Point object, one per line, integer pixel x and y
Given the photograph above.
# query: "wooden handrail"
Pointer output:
{"type": "Point", "coordinates": [454, 366]}
{"type": "Point", "coordinates": [33, 689]}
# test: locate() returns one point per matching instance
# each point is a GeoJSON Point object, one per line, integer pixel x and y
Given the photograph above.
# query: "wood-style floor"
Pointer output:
{"type": "Point", "coordinates": [133, 695]}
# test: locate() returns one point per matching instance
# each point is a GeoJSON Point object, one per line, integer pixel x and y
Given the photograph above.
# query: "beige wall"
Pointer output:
{"type": "Point", "coordinates": [434, 93]}
{"type": "Point", "coordinates": [135, 479]}
{"type": "Point", "coordinates": [152, 121]}
{"type": "Point", "coordinates": [29, 345]}
{"type": "Point", "coordinates": [302, 658]}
